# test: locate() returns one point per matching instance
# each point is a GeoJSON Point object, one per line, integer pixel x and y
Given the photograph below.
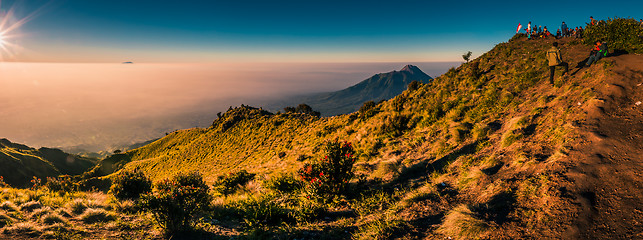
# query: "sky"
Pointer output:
{"type": "Point", "coordinates": [281, 31]}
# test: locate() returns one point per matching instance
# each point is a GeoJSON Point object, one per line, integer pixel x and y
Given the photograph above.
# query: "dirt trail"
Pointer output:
{"type": "Point", "coordinates": [606, 175]}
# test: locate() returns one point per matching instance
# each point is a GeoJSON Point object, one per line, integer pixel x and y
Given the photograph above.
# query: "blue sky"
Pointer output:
{"type": "Point", "coordinates": [284, 31]}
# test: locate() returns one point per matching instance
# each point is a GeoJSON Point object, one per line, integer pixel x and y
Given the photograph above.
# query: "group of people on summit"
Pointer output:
{"type": "Point", "coordinates": [543, 32]}
{"type": "Point", "coordinates": [554, 56]}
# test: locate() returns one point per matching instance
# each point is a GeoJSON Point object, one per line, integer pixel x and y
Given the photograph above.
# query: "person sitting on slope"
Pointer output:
{"type": "Point", "coordinates": [599, 51]}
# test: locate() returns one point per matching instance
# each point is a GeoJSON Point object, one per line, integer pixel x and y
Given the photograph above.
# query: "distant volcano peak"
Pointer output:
{"type": "Point", "coordinates": [414, 70]}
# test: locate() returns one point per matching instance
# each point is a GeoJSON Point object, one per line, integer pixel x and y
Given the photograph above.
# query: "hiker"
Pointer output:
{"type": "Point", "coordinates": [558, 35]}
{"type": "Point", "coordinates": [555, 59]}
{"type": "Point", "coordinates": [546, 32]}
{"type": "Point", "coordinates": [592, 21]}
{"type": "Point", "coordinates": [565, 30]}
{"type": "Point", "coordinates": [599, 51]}
{"type": "Point", "coordinates": [528, 29]}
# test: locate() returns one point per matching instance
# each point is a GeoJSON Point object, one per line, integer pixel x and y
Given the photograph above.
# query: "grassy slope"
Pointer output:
{"type": "Point", "coordinates": [20, 163]}
{"type": "Point", "coordinates": [484, 152]}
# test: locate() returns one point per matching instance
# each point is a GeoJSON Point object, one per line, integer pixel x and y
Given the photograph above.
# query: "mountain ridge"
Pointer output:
{"type": "Point", "coordinates": [381, 86]}
{"type": "Point", "coordinates": [491, 143]}
{"type": "Point", "coordinates": [20, 163]}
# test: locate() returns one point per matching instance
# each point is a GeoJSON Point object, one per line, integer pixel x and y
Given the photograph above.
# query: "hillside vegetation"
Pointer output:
{"type": "Point", "coordinates": [21, 163]}
{"type": "Point", "coordinates": [489, 150]}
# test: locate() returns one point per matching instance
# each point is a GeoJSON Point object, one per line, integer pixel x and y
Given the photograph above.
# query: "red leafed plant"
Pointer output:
{"type": "Point", "coordinates": [330, 174]}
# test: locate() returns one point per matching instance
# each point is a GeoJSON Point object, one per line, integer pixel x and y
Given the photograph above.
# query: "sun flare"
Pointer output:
{"type": "Point", "coordinates": [10, 26]}
{"type": "Point", "coordinates": [1, 39]}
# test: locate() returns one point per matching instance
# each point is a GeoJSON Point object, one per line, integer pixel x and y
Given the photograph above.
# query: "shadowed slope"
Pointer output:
{"type": "Point", "coordinates": [20, 163]}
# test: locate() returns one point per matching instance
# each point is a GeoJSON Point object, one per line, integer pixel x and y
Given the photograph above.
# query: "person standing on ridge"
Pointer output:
{"type": "Point", "coordinates": [528, 29]}
{"type": "Point", "coordinates": [564, 29]}
{"type": "Point", "coordinates": [592, 21]}
{"type": "Point", "coordinates": [555, 59]}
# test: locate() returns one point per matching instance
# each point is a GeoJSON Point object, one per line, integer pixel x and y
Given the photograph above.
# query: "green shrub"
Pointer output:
{"type": "Point", "coordinates": [130, 185]}
{"type": "Point", "coordinates": [620, 33]}
{"type": "Point", "coordinates": [285, 183]}
{"type": "Point", "coordinates": [260, 210]}
{"type": "Point", "coordinates": [414, 85]}
{"type": "Point", "coordinates": [61, 184]}
{"type": "Point", "coordinates": [330, 175]}
{"type": "Point", "coordinates": [228, 184]}
{"type": "Point", "coordinates": [178, 202]}
{"type": "Point", "coordinates": [367, 110]}
{"type": "Point", "coordinates": [395, 125]}
{"type": "Point", "coordinates": [95, 215]}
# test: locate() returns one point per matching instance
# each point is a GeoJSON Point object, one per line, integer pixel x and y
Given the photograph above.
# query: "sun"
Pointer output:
{"type": "Point", "coordinates": [10, 26]}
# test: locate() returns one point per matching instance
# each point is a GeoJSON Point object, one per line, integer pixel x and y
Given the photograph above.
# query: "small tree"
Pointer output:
{"type": "Point", "coordinates": [467, 56]}
{"type": "Point", "coordinates": [177, 203]}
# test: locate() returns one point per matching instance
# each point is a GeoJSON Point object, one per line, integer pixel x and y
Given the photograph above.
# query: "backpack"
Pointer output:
{"type": "Point", "coordinates": [552, 57]}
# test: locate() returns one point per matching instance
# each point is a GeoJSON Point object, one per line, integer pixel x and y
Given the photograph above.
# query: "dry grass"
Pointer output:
{"type": "Point", "coordinates": [52, 218]}
{"type": "Point", "coordinates": [77, 206]}
{"type": "Point", "coordinates": [9, 206]}
{"type": "Point", "coordinates": [462, 223]}
{"type": "Point", "coordinates": [30, 206]}
{"type": "Point", "coordinates": [93, 215]}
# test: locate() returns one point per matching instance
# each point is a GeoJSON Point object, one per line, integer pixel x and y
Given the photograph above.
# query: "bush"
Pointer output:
{"type": "Point", "coordinates": [61, 184]}
{"type": "Point", "coordinates": [260, 210]}
{"type": "Point", "coordinates": [176, 203]}
{"type": "Point", "coordinates": [130, 185]}
{"type": "Point", "coordinates": [414, 85]}
{"type": "Point", "coordinates": [367, 110]}
{"type": "Point", "coordinates": [95, 215]}
{"type": "Point", "coordinates": [285, 183]}
{"type": "Point", "coordinates": [302, 108]}
{"type": "Point", "coordinates": [330, 175]}
{"type": "Point", "coordinates": [620, 33]}
{"type": "Point", "coordinates": [395, 125]}
{"type": "Point", "coordinates": [228, 184]}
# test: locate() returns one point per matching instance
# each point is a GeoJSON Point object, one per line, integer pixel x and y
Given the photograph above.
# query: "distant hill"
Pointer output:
{"type": "Point", "coordinates": [21, 163]}
{"type": "Point", "coordinates": [382, 86]}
